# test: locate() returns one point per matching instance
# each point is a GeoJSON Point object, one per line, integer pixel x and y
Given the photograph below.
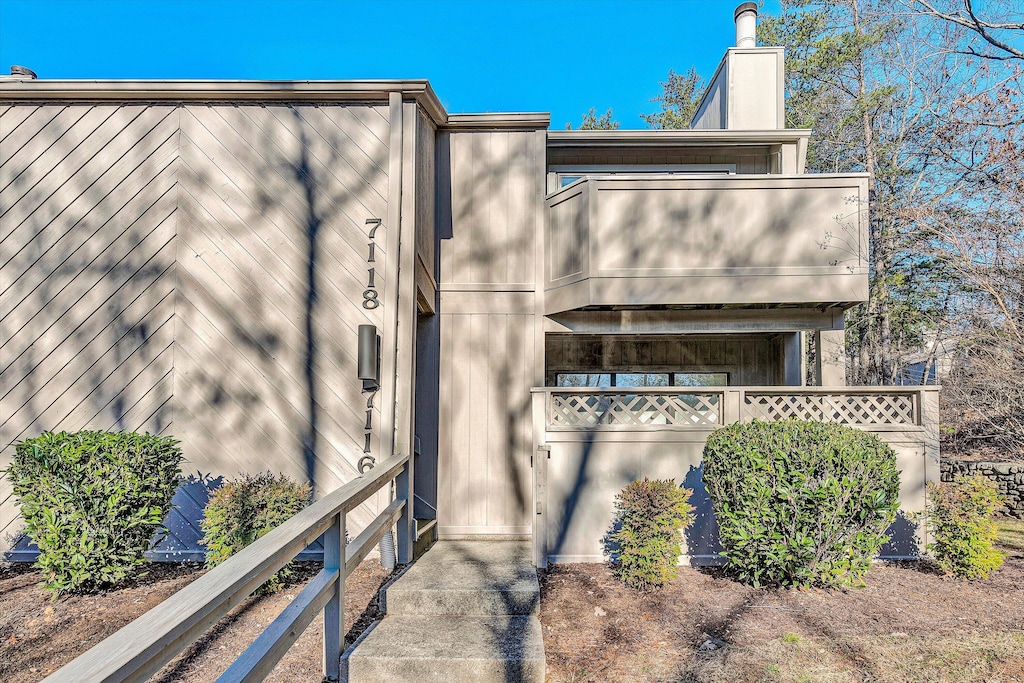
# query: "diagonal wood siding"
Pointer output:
{"type": "Point", "coordinates": [191, 270]}
{"type": "Point", "coordinates": [87, 240]}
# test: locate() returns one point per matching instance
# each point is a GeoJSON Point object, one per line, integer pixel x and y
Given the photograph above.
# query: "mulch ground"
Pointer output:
{"type": "Point", "coordinates": [38, 636]}
{"type": "Point", "coordinates": [908, 624]}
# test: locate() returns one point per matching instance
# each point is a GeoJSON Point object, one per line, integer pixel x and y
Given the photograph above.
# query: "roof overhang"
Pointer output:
{"type": "Point", "coordinates": [235, 91]}
{"type": "Point", "coordinates": [227, 91]}
{"type": "Point", "coordinates": [674, 138]}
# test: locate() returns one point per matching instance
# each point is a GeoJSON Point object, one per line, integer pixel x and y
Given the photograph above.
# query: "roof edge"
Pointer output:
{"type": "Point", "coordinates": [492, 120]}
{"type": "Point", "coordinates": [44, 90]}
{"type": "Point", "coordinates": [625, 138]}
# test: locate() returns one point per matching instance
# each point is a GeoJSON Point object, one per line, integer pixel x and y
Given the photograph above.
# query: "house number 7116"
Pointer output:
{"type": "Point", "coordinates": [370, 302]}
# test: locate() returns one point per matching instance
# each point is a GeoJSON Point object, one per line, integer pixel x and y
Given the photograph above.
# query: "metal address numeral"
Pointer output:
{"type": "Point", "coordinates": [370, 302]}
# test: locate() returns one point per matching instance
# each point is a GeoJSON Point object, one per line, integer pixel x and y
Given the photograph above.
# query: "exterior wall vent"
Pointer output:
{"type": "Point", "coordinates": [23, 72]}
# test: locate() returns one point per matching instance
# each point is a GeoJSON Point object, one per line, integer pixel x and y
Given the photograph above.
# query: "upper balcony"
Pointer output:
{"type": "Point", "coordinates": [701, 240]}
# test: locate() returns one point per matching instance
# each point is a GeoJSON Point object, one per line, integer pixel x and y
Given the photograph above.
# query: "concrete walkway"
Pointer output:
{"type": "Point", "coordinates": [465, 611]}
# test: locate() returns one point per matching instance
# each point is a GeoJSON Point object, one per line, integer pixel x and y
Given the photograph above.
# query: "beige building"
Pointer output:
{"type": "Point", "coordinates": [558, 312]}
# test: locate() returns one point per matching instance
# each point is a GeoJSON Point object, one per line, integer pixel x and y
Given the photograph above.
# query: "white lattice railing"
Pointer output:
{"type": "Point", "coordinates": [642, 407]}
{"type": "Point", "coordinates": [843, 408]}
{"type": "Point", "coordinates": [679, 408]}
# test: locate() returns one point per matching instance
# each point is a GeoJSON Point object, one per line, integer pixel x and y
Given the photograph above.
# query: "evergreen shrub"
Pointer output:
{"type": "Point", "coordinates": [92, 501]}
{"type": "Point", "coordinates": [959, 519]}
{"type": "Point", "coordinates": [246, 509]}
{"type": "Point", "coordinates": [800, 503]}
{"type": "Point", "coordinates": [650, 514]}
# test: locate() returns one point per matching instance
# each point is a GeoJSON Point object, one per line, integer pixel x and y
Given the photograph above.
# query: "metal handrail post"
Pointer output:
{"type": "Point", "coordinates": [334, 611]}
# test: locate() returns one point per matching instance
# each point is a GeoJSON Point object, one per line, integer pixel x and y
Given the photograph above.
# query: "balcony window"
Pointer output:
{"type": "Point", "coordinates": [567, 175]}
{"type": "Point", "coordinates": [584, 379]}
{"type": "Point", "coordinates": [700, 379]}
{"type": "Point", "coordinates": [607, 380]}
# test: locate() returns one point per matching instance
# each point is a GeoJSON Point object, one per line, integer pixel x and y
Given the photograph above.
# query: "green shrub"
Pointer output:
{"type": "Point", "coordinates": [92, 502]}
{"type": "Point", "coordinates": [959, 519]}
{"type": "Point", "coordinates": [247, 508]}
{"type": "Point", "coordinates": [650, 515]}
{"type": "Point", "coordinates": [800, 503]}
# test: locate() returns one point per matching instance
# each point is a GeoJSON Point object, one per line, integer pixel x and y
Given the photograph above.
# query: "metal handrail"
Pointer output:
{"type": "Point", "coordinates": [141, 648]}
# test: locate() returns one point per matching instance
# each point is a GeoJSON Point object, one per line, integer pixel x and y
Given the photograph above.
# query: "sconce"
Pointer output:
{"type": "Point", "coordinates": [369, 357]}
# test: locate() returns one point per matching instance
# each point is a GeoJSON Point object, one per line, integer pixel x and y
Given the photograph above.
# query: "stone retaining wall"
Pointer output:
{"type": "Point", "coordinates": [1009, 476]}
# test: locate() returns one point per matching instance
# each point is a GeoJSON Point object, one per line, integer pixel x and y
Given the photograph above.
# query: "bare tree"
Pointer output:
{"type": "Point", "coordinates": [1000, 29]}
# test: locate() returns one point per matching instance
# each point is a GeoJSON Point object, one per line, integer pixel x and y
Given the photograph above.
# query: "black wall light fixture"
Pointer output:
{"type": "Point", "coordinates": [369, 357]}
{"type": "Point", "coordinates": [368, 367]}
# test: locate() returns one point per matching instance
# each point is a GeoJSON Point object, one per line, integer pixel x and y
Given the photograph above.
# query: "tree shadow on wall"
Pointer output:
{"type": "Point", "coordinates": [204, 284]}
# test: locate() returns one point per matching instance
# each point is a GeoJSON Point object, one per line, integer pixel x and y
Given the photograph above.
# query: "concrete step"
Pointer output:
{"type": "Point", "coordinates": [448, 649]}
{"type": "Point", "coordinates": [468, 578]}
{"type": "Point", "coordinates": [463, 612]}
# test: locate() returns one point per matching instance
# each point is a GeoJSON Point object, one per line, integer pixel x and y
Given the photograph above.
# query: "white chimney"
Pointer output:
{"type": "Point", "coordinates": [746, 25]}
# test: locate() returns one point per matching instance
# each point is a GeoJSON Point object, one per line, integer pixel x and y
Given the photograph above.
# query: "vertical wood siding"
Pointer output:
{"type": "Point", "coordinates": [489, 228]}
{"type": "Point", "coordinates": [225, 243]}
{"type": "Point", "coordinates": [484, 440]}
{"type": "Point", "coordinates": [493, 195]}
{"type": "Point", "coordinates": [426, 135]}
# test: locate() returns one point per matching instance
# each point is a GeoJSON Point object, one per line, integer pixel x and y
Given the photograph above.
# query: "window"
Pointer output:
{"type": "Point", "coordinates": [583, 379]}
{"type": "Point", "coordinates": [642, 379]}
{"type": "Point", "coordinates": [602, 380]}
{"type": "Point", "coordinates": [561, 176]}
{"type": "Point", "coordinates": [700, 379]}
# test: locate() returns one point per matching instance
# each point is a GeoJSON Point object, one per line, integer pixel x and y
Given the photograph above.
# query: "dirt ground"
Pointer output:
{"type": "Point", "coordinates": [907, 624]}
{"type": "Point", "coordinates": [38, 636]}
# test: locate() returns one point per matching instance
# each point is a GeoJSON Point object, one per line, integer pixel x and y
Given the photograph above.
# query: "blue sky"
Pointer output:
{"type": "Point", "coordinates": [531, 55]}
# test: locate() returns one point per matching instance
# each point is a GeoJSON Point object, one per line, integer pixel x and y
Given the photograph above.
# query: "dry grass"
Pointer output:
{"type": "Point", "coordinates": [1011, 533]}
{"type": "Point", "coordinates": [898, 658]}
{"type": "Point", "coordinates": [908, 624]}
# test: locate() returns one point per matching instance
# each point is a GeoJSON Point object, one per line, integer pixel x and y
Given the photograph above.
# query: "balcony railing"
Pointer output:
{"type": "Point", "coordinates": [573, 409]}
{"type": "Point", "coordinates": [591, 442]}
{"type": "Point", "coordinates": [702, 239]}
{"type": "Point", "coordinates": [611, 408]}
